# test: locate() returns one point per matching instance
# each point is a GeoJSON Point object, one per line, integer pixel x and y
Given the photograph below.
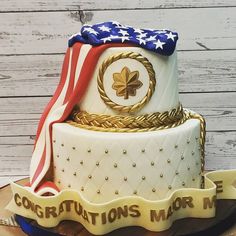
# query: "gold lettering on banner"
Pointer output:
{"type": "Point", "coordinates": [16, 197]}
{"type": "Point", "coordinates": [177, 203]}
{"type": "Point", "coordinates": [219, 186]}
{"type": "Point", "coordinates": [164, 214]}
{"type": "Point", "coordinates": [169, 212]}
{"type": "Point", "coordinates": [209, 203]}
{"type": "Point", "coordinates": [85, 216]}
{"type": "Point", "coordinates": [50, 211]}
{"type": "Point", "coordinates": [157, 217]}
{"type": "Point", "coordinates": [38, 211]}
{"type": "Point", "coordinates": [187, 201]}
{"type": "Point", "coordinates": [134, 210]}
{"type": "Point", "coordinates": [103, 217]}
{"type": "Point", "coordinates": [122, 211]}
{"type": "Point", "coordinates": [80, 210]}
{"type": "Point", "coordinates": [93, 217]}
{"type": "Point", "coordinates": [26, 203]}
{"type": "Point", "coordinates": [112, 214]}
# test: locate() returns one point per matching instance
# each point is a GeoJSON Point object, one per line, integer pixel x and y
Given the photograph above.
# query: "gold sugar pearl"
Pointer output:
{"type": "Point", "coordinates": [193, 179]}
{"type": "Point", "coordinates": [169, 187]}
{"type": "Point", "coordinates": [106, 151]}
{"type": "Point", "coordinates": [176, 146]}
{"type": "Point", "coordinates": [143, 177]}
{"type": "Point", "coordinates": [168, 161]}
{"type": "Point", "coordinates": [89, 150]}
{"type": "Point", "coordinates": [69, 186]}
{"type": "Point", "coordinates": [97, 163]}
{"type": "Point", "coordinates": [183, 183]}
{"type": "Point", "coordinates": [82, 189]}
{"type": "Point", "coordinates": [176, 172]}
{"type": "Point", "coordinates": [81, 162]}
{"type": "Point", "coordinates": [62, 145]}
{"type": "Point", "coordinates": [115, 165]}
{"type": "Point", "coordinates": [153, 190]}
{"type": "Point", "coordinates": [188, 168]}
{"type": "Point", "coordinates": [58, 181]}
{"type": "Point", "coordinates": [98, 191]}
{"type": "Point", "coordinates": [116, 192]}
{"type": "Point", "coordinates": [134, 164]}
{"type": "Point", "coordinates": [63, 170]}
{"type": "Point", "coordinates": [75, 174]}
{"type": "Point", "coordinates": [188, 141]}
{"type": "Point", "coordinates": [106, 178]}
{"type": "Point", "coordinates": [161, 175]}
{"type": "Point", "coordinates": [161, 149]}
{"type": "Point", "coordinates": [135, 192]}
{"type": "Point", "coordinates": [182, 157]}
{"type": "Point", "coordinates": [90, 176]}
{"type": "Point", "coordinates": [57, 155]}
{"type": "Point", "coordinates": [152, 163]}
{"type": "Point", "coordinates": [124, 151]}
{"type": "Point", "coordinates": [125, 178]}
{"type": "Point", "coordinates": [143, 150]}
{"type": "Point", "coordinates": [54, 140]}
{"type": "Point", "coordinates": [73, 148]}
{"type": "Point", "coordinates": [68, 159]}
{"type": "Point", "coordinates": [193, 153]}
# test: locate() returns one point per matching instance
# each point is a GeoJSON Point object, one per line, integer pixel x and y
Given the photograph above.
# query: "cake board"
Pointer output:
{"type": "Point", "coordinates": [223, 224]}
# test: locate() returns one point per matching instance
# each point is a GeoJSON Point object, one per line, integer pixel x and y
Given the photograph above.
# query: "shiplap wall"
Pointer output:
{"type": "Point", "coordinates": [33, 39]}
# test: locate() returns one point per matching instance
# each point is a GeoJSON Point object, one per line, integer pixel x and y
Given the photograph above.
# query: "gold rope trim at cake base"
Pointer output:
{"type": "Point", "coordinates": [152, 82]}
{"type": "Point", "coordinates": [142, 123]}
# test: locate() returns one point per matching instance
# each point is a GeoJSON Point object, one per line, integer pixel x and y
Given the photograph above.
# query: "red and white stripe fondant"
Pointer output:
{"type": "Point", "coordinates": [78, 67]}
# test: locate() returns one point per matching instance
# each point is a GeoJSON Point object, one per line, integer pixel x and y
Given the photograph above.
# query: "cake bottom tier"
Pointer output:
{"type": "Point", "coordinates": [104, 166]}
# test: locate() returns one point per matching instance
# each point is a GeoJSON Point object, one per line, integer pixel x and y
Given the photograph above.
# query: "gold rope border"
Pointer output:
{"type": "Point", "coordinates": [152, 82]}
{"type": "Point", "coordinates": [149, 121]}
{"type": "Point", "coordinates": [202, 140]}
{"type": "Point", "coordinates": [186, 115]}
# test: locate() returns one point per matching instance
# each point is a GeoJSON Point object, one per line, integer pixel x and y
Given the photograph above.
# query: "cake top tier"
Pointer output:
{"type": "Point", "coordinates": [158, 41]}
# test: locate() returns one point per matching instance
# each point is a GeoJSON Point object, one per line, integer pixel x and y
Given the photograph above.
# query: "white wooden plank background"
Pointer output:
{"type": "Point", "coordinates": [33, 39]}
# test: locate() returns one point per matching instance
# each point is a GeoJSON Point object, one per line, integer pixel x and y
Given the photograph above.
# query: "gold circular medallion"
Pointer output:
{"type": "Point", "coordinates": [127, 83]}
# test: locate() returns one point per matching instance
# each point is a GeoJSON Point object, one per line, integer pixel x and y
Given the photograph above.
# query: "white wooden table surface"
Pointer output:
{"type": "Point", "coordinates": [33, 39]}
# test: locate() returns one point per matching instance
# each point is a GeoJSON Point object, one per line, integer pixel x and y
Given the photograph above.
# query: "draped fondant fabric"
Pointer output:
{"type": "Point", "coordinates": [159, 41]}
{"type": "Point", "coordinates": [78, 67]}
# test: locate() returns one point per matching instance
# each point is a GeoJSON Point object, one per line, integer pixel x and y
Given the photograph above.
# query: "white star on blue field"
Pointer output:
{"type": "Point", "coordinates": [159, 41]}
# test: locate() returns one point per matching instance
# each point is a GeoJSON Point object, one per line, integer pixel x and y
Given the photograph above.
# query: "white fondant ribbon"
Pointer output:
{"type": "Point", "coordinates": [126, 211]}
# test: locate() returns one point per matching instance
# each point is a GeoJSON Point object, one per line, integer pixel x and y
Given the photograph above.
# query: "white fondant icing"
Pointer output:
{"type": "Point", "coordinates": [120, 164]}
{"type": "Point", "coordinates": [165, 96]}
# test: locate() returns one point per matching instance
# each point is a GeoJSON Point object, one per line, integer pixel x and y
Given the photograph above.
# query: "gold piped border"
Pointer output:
{"type": "Point", "coordinates": [131, 122]}
{"type": "Point", "coordinates": [152, 81]}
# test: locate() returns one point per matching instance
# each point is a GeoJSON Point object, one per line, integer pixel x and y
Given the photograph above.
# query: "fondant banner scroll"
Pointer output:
{"type": "Point", "coordinates": [127, 211]}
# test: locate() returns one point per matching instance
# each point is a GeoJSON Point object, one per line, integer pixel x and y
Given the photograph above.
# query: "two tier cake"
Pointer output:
{"type": "Point", "coordinates": [114, 146]}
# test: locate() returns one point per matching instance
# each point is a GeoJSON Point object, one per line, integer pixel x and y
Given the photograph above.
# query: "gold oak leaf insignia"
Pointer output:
{"type": "Point", "coordinates": [126, 83]}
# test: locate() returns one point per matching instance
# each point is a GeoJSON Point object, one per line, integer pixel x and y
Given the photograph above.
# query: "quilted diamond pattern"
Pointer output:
{"type": "Point", "coordinates": [105, 166]}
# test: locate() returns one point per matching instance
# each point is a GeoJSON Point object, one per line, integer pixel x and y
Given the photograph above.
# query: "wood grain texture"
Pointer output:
{"type": "Point", "coordinates": [38, 75]}
{"type": "Point", "coordinates": [47, 32]}
{"type": "Point", "coordinates": [56, 5]}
